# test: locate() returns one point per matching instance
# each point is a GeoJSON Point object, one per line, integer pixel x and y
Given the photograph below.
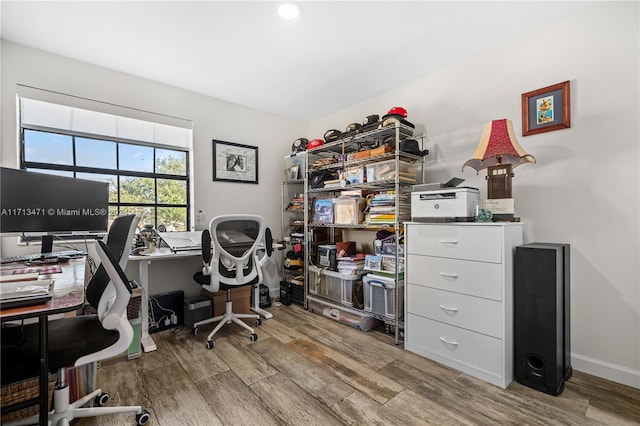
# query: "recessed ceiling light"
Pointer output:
{"type": "Point", "coordinates": [290, 10]}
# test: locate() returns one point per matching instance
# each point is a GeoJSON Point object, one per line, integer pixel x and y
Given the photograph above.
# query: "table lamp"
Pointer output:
{"type": "Point", "coordinates": [499, 152]}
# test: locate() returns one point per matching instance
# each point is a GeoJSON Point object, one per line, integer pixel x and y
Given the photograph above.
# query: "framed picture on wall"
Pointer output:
{"type": "Point", "coordinates": [546, 109]}
{"type": "Point", "coordinates": [234, 162]}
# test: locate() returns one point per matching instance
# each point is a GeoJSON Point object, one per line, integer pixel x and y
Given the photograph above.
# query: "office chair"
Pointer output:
{"type": "Point", "coordinates": [239, 252]}
{"type": "Point", "coordinates": [84, 339]}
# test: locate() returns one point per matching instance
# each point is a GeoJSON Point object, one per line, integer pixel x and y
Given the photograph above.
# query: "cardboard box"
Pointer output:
{"type": "Point", "coordinates": [381, 150]}
{"type": "Point", "coordinates": [241, 298]}
{"type": "Point", "coordinates": [361, 154]}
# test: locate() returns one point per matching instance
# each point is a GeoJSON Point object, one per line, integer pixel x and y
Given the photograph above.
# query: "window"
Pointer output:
{"type": "Point", "coordinates": [143, 178]}
{"type": "Point", "coordinates": [144, 156]}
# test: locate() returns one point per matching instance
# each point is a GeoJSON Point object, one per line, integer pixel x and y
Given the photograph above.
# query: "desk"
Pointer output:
{"type": "Point", "coordinates": [160, 254]}
{"type": "Point", "coordinates": [68, 295]}
{"type": "Point", "coordinates": [165, 254]}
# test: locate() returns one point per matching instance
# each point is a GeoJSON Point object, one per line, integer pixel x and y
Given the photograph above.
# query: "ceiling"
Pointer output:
{"type": "Point", "coordinates": [337, 54]}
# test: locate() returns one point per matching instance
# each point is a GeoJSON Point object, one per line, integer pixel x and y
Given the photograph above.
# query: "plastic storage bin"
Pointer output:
{"type": "Point", "coordinates": [332, 285]}
{"type": "Point", "coordinates": [356, 174]}
{"type": "Point", "coordinates": [386, 171]}
{"type": "Point", "coordinates": [380, 296]}
{"type": "Point", "coordinates": [348, 211]}
{"type": "Point", "coordinates": [344, 315]}
{"type": "Point", "coordinates": [293, 160]}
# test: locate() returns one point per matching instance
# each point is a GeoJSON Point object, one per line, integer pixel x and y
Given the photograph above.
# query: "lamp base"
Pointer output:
{"type": "Point", "coordinates": [499, 179]}
{"type": "Point", "coordinates": [505, 218]}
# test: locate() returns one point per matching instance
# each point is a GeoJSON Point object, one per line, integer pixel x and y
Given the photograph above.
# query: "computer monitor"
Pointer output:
{"type": "Point", "coordinates": [43, 203]}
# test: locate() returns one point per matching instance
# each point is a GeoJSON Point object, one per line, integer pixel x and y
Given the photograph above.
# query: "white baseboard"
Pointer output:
{"type": "Point", "coordinates": [606, 370]}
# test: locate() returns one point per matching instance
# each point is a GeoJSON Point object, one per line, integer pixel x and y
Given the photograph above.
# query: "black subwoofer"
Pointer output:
{"type": "Point", "coordinates": [542, 344]}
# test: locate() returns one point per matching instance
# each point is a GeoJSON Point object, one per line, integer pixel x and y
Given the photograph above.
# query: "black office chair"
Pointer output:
{"type": "Point", "coordinates": [119, 241]}
{"type": "Point", "coordinates": [239, 252]}
{"type": "Point", "coordinates": [83, 339]}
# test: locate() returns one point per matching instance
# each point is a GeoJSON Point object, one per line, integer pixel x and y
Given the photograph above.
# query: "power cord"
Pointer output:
{"type": "Point", "coordinates": [169, 318]}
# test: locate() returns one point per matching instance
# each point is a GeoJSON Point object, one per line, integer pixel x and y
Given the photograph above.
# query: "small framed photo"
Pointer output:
{"type": "Point", "coordinates": [294, 172]}
{"type": "Point", "coordinates": [322, 210]}
{"type": "Point", "coordinates": [546, 109]}
{"type": "Point", "coordinates": [234, 162]}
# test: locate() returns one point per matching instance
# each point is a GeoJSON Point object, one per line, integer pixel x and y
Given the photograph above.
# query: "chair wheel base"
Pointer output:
{"type": "Point", "coordinates": [143, 418]}
{"type": "Point", "coordinates": [101, 400]}
{"type": "Point", "coordinates": [209, 344]}
{"type": "Point", "coordinates": [194, 331]}
{"type": "Point", "coordinates": [253, 337]}
{"type": "Point", "coordinates": [258, 321]}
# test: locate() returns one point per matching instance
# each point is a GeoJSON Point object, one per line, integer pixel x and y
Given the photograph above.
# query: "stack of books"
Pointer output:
{"type": "Point", "coordinates": [383, 208]}
{"type": "Point", "coordinates": [351, 265]}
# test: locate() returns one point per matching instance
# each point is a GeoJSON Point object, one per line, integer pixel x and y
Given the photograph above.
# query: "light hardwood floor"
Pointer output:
{"type": "Point", "coordinates": [308, 370]}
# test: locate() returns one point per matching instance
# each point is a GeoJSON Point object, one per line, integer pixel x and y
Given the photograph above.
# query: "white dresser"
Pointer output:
{"type": "Point", "coordinates": [459, 295]}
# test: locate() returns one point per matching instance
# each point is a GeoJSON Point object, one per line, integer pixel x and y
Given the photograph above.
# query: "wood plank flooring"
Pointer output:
{"type": "Point", "coordinates": [309, 370]}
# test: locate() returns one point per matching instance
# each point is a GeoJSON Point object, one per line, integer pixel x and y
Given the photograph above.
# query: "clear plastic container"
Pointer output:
{"type": "Point", "coordinates": [380, 296]}
{"type": "Point", "coordinates": [385, 171]}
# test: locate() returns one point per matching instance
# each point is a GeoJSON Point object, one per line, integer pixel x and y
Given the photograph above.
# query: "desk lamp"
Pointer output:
{"type": "Point", "coordinates": [499, 152]}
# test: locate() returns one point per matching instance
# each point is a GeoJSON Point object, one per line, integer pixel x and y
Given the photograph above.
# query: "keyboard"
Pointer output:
{"type": "Point", "coordinates": [52, 256]}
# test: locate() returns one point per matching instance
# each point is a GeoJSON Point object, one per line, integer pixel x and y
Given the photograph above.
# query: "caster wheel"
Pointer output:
{"type": "Point", "coordinates": [209, 344]}
{"type": "Point", "coordinates": [194, 331]}
{"type": "Point", "coordinates": [258, 321]}
{"type": "Point", "coordinates": [101, 399]}
{"type": "Point", "coordinates": [253, 337]}
{"type": "Point", "coordinates": [143, 418]}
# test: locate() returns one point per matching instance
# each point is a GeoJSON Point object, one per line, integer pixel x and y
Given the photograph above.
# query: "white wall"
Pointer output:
{"type": "Point", "coordinates": [584, 189]}
{"type": "Point", "coordinates": [212, 119]}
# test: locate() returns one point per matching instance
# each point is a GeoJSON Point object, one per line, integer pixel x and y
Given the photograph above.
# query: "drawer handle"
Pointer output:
{"type": "Point", "coordinates": [448, 241]}
{"type": "Point", "coordinates": [444, 274]}
{"type": "Point", "coordinates": [447, 308]}
{"type": "Point", "coordinates": [449, 342]}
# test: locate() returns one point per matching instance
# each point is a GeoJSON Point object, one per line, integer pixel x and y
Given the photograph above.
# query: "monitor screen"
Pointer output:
{"type": "Point", "coordinates": [38, 202]}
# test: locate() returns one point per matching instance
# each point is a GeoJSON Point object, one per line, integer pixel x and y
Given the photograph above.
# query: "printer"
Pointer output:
{"type": "Point", "coordinates": [444, 202]}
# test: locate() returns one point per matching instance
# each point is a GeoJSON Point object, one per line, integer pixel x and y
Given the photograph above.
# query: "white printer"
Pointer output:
{"type": "Point", "coordinates": [444, 202]}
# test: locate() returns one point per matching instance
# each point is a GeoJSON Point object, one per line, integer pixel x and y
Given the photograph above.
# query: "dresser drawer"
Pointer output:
{"type": "Point", "coordinates": [469, 312]}
{"type": "Point", "coordinates": [465, 350]}
{"type": "Point", "coordinates": [471, 242]}
{"type": "Point", "coordinates": [480, 279]}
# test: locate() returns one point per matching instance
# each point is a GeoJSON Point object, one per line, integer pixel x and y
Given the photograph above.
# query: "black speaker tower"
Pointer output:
{"type": "Point", "coordinates": [542, 344]}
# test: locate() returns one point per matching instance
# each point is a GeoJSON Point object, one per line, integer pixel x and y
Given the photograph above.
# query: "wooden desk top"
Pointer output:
{"type": "Point", "coordinates": [68, 293]}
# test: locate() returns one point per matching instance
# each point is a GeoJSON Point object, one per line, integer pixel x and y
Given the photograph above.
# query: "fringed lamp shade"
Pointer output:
{"type": "Point", "coordinates": [498, 145]}
{"type": "Point", "coordinates": [499, 152]}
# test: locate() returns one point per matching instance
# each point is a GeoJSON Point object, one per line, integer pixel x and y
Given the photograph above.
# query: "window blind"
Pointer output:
{"type": "Point", "coordinates": [53, 110]}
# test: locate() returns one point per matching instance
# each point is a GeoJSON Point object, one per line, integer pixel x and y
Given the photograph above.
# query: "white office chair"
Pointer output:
{"type": "Point", "coordinates": [239, 252]}
{"type": "Point", "coordinates": [84, 339]}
